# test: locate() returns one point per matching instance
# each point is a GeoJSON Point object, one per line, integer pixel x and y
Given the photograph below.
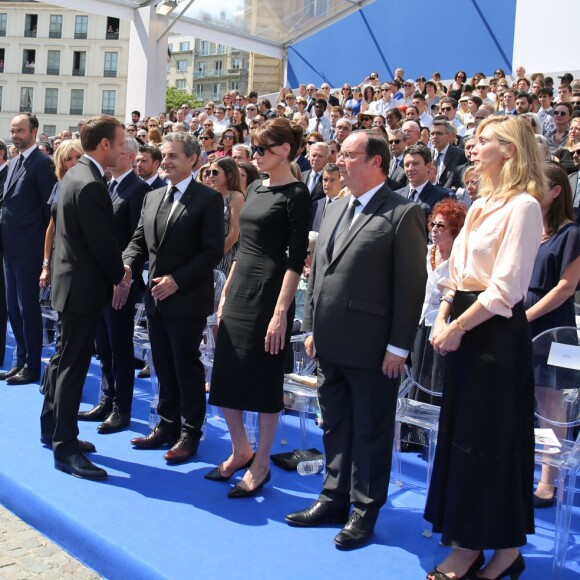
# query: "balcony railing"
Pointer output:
{"type": "Point", "coordinates": [50, 110]}
{"type": "Point", "coordinates": [53, 70]}
{"type": "Point", "coordinates": [30, 33]}
{"type": "Point", "coordinates": [112, 36]}
{"type": "Point", "coordinates": [76, 111]}
{"type": "Point", "coordinates": [108, 112]}
{"type": "Point", "coordinates": [78, 72]}
{"type": "Point", "coordinates": [25, 109]}
{"type": "Point", "coordinates": [27, 70]}
{"type": "Point", "coordinates": [80, 35]}
{"type": "Point", "coordinates": [55, 34]}
{"type": "Point", "coordinates": [110, 72]}
{"type": "Point", "coordinates": [199, 74]}
{"type": "Point", "coordinates": [234, 71]}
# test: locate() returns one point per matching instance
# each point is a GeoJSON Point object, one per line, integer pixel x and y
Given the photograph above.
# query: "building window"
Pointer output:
{"type": "Point", "coordinates": [181, 65]}
{"type": "Point", "coordinates": [111, 61]}
{"type": "Point", "coordinates": [77, 97]}
{"type": "Point", "coordinates": [1, 95]}
{"type": "Point", "coordinates": [218, 64]}
{"type": "Point", "coordinates": [53, 62]}
{"type": "Point", "coordinates": [1, 60]}
{"type": "Point", "coordinates": [199, 90]}
{"type": "Point", "coordinates": [55, 26]}
{"type": "Point", "coordinates": [79, 63]}
{"type": "Point", "coordinates": [30, 25]}
{"type": "Point", "coordinates": [109, 102]}
{"type": "Point", "coordinates": [204, 47]}
{"type": "Point", "coordinates": [51, 102]}
{"type": "Point", "coordinates": [26, 98]}
{"type": "Point", "coordinates": [236, 63]}
{"type": "Point", "coordinates": [3, 23]}
{"type": "Point", "coordinates": [180, 84]}
{"type": "Point", "coordinates": [112, 28]}
{"type": "Point", "coordinates": [49, 130]}
{"type": "Point", "coordinates": [217, 91]}
{"type": "Point", "coordinates": [200, 73]}
{"type": "Point", "coordinates": [28, 61]}
{"type": "Point", "coordinates": [183, 46]}
{"type": "Point", "coordinates": [81, 26]}
{"type": "Point", "coordinates": [235, 86]}
{"type": "Point", "coordinates": [221, 48]}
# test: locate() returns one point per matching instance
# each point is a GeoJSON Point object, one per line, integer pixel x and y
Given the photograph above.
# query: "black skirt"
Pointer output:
{"type": "Point", "coordinates": [480, 495]}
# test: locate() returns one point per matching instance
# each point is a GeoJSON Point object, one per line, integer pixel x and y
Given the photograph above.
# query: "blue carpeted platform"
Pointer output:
{"type": "Point", "coordinates": [151, 521]}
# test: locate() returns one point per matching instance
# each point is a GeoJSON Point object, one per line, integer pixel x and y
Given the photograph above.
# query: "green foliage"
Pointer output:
{"type": "Point", "coordinates": [174, 98]}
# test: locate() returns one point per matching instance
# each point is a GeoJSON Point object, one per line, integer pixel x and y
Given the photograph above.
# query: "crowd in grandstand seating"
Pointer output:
{"type": "Point", "coordinates": [280, 170]}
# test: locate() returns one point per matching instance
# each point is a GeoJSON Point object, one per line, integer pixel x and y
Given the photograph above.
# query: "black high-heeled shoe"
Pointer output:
{"type": "Point", "coordinates": [514, 570]}
{"type": "Point", "coordinates": [478, 563]}
{"type": "Point", "coordinates": [216, 473]}
{"type": "Point", "coordinates": [238, 492]}
{"type": "Point", "coordinates": [544, 502]}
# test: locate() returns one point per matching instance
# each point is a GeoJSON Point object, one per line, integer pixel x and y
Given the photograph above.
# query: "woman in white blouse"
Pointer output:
{"type": "Point", "coordinates": [480, 497]}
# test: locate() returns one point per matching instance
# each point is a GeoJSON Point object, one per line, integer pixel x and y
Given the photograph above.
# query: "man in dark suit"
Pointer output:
{"type": "Point", "coordinates": [147, 164]}
{"type": "Point", "coordinates": [181, 233]}
{"type": "Point", "coordinates": [397, 140]}
{"type": "Point", "coordinates": [365, 294]}
{"type": "Point", "coordinates": [575, 183]}
{"type": "Point", "coordinates": [25, 214]}
{"type": "Point", "coordinates": [447, 157]}
{"type": "Point", "coordinates": [114, 339]}
{"type": "Point", "coordinates": [331, 185]}
{"type": "Point", "coordinates": [318, 156]}
{"type": "Point", "coordinates": [87, 264]}
{"type": "Point", "coordinates": [417, 163]}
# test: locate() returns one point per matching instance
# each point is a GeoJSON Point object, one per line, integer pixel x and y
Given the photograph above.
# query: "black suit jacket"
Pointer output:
{"type": "Point", "coordinates": [157, 183]}
{"type": "Point", "coordinates": [318, 192]}
{"type": "Point", "coordinates": [25, 209]}
{"type": "Point", "coordinates": [399, 176]}
{"type": "Point", "coordinates": [430, 195]}
{"type": "Point", "coordinates": [575, 199]}
{"type": "Point", "coordinates": [191, 246]}
{"type": "Point", "coordinates": [454, 157]}
{"type": "Point", "coordinates": [370, 293]}
{"type": "Point", "coordinates": [455, 179]}
{"type": "Point", "coordinates": [3, 175]}
{"type": "Point", "coordinates": [87, 260]}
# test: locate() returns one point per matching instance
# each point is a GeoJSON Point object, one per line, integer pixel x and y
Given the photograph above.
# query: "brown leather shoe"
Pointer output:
{"type": "Point", "coordinates": [183, 450]}
{"type": "Point", "coordinates": [160, 435]}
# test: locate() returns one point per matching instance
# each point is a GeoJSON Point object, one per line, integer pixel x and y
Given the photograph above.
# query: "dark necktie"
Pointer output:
{"type": "Point", "coordinates": [413, 195]}
{"type": "Point", "coordinates": [313, 180]}
{"type": "Point", "coordinates": [163, 213]}
{"type": "Point", "coordinates": [112, 186]}
{"type": "Point", "coordinates": [343, 227]}
{"type": "Point", "coordinates": [17, 166]}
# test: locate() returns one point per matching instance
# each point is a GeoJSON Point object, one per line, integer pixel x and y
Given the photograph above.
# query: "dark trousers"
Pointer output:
{"type": "Point", "coordinates": [47, 413]}
{"type": "Point", "coordinates": [358, 413]}
{"type": "Point", "coordinates": [115, 349]}
{"type": "Point", "coordinates": [3, 312]}
{"type": "Point", "coordinates": [175, 344]}
{"type": "Point", "coordinates": [76, 349]}
{"type": "Point", "coordinates": [22, 294]}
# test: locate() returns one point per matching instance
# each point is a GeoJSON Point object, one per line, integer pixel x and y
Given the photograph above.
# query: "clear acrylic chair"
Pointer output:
{"type": "Point", "coordinates": [557, 392]}
{"type": "Point", "coordinates": [49, 324]}
{"type": "Point", "coordinates": [419, 384]}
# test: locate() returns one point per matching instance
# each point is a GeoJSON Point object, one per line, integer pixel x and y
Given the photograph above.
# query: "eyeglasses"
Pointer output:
{"type": "Point", "coordinates": [350, 155]}
{"type": "Point", "coordinates": [261, 149]}
{"type": "Point", "coordinates": [438, 226]}
{"type": "Point", "coordinates": [446, 108]}
{"type": "Point", "coordinates": [141, 134]}
{"type": "Point", "coordinates": [437, 133]}
{"type": "Point", "coordinates": [185, 107]}
{"type": "Point", "coordinates": [394, 141]}
{"type": "Point", "coordinates": [497, 72]}
{"type": "Point", "coordinates": [560, 113]}
{"type": "Point", "coordinates": [310, 90]}
{"type": "Point", "coordinates": [209, 172]}
{"type": "Point", "coordinates": [229, 109]}
{"type": "Point", "coordinates": [207, 108]}
{"type": "Point", "coordinates": [346, 88]}
{"type": "Point", "coordinates": [366, 118]}
{"type": "Point", "coordinates": [385, 90]}
{"type": "Point", "coordinates": [228, 137]}
{"type": "Point", "coordinates": [576, 152]}
{"type": "Point", "coordinates": [208, 124]}
{"type": "Point", "coordinates": [311, 142]}
{"type": "Point", "coordinates": [206, 138]}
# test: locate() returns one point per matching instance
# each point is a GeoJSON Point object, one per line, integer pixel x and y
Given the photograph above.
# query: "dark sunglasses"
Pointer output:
{"type": "Point", "coordinates": [311, 142]}
{"type": "Point", "coordinates": [261, 149]}
{"type": "Point", "coordinates": [408, 85]}
{"type": "Point", "coordinates": [394, 142]}
{"type": "Point", "coordinates": [228, 137]}
{"type": "Point", "coordinates": [560, 113]}
{"type": "Point", "coordinates": [446, 108]}
{"type": "Point", "coordinates": [205, 138]}
{"type": "Point", "coordinates": [213, 172]}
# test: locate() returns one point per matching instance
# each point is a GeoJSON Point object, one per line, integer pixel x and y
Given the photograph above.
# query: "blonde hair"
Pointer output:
{"type": "Point", "coordinates": [524, 170]}
{"type": "Point", "coordinates": [62, 153]}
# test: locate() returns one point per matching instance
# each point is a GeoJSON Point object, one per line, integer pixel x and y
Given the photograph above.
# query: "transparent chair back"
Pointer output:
{"type": "Point", "coordinates": [557, 408]}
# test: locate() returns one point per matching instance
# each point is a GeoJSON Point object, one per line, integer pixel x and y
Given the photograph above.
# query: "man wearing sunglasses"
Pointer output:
{"type": "Point", "coordinates": [448, 107]}
{"type": "Point", "coordinates": [181, 233]}
{"type": "Point", "coordinates": [397, 146]}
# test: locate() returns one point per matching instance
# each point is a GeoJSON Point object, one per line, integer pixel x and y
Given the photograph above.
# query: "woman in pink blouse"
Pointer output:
{"type": "Point", "coordinates": [480, 497]}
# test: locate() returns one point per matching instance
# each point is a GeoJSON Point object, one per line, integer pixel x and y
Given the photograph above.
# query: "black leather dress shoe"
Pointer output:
{"type": "Point", "coordinates": [84, 446]}
{"type": "Point", "coordinates": [184, 449]}
{"type": "Point", "coordinates": [79, 466]}
{"type": "Point", "coordinates": [115, 422]}
{"type": "Point", "coordinates": [24, 377]}
{"type": "Point", "coordinates": [160, 435]}
{"type": "Point", "coordinates": [98, 413]}
{"type": "Point", "coordinates": [144, 373]}
{"type": "Point", "coordinates": [13, 371]}
{"type": "Point", "coordinates": [355, 534]}
{"type": "Point", "coordinates": [318, 514]}
{"type": "Point", "coordinates": [238, 492]}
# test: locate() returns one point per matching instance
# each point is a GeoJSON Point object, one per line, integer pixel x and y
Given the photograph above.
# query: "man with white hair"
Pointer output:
{"type": "Point", "coordinates": [412, 131]}
{"type": "Point", "coordinates": [318, 157]}
{"type": "Point", "coordinates": [241, 153]}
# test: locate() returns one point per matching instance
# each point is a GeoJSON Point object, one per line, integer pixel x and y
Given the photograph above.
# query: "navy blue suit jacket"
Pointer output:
{"type": "Point", "coordinates": [430, 195]}
{"type": "Point", "coordinates": [158, 183]}
{"type": "Point", "coordinates": [25, 209]}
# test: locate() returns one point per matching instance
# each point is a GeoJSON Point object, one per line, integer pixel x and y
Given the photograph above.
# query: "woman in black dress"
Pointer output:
{"type": "Point", "coordinates": [257, 305]}
{"type": "Point", "coordinates": [480, 497]}
{"type": "Point", "coordinates": [555, 277]}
